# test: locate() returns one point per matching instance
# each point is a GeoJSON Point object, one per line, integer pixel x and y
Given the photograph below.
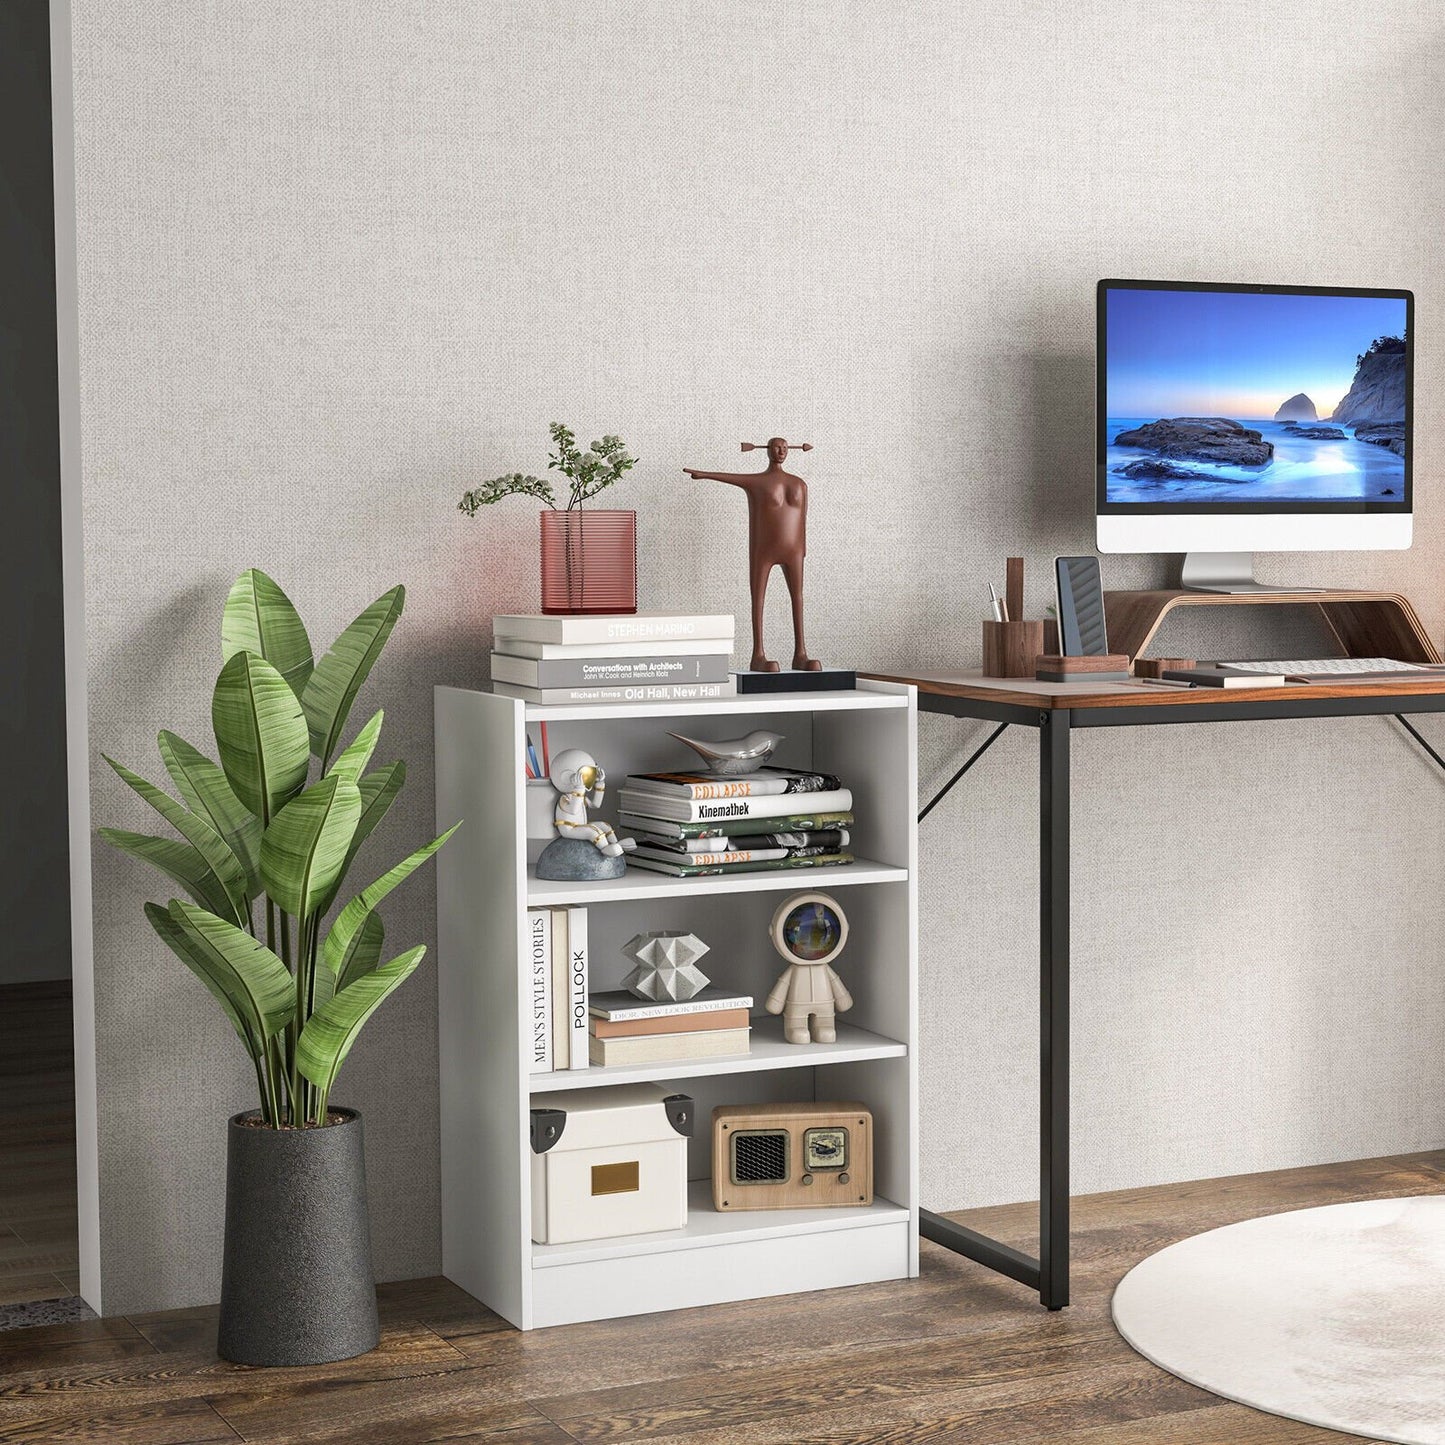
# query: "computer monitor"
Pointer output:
{"type": "Point", "coordinates": [1240, 419]}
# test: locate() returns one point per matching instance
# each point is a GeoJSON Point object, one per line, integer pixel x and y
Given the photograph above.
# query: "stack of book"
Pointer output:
{"type": "Point", "coordinates": [691, 824]}
{"type": "Point", "coordinates": [639, 657]}
{"type": "Point", "coordinates": [557, 989]}
{"type": "Point", "coordinates": [629, 1030]}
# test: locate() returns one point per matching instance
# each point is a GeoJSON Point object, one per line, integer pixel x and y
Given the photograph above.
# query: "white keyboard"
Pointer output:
{"type": "Point", "coordinates": [1331, 666]}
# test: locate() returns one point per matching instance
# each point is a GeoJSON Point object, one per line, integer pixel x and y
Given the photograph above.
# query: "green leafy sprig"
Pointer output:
{"type": "Point", "coordinates": [589, 472]}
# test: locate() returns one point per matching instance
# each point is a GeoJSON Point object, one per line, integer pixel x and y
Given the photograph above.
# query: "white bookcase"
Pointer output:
{"type": "Point", "coordinates": [868, 737]}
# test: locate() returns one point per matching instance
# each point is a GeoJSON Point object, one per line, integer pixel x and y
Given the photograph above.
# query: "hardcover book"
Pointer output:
{"type": "Point", "coordinates": [825, 840]}
{"type": "Point", "coordinates": [539, 989]}
{"type": "Point", "coordinates": [670, 1048]}
{"type": "Point", "coordinates": [728, 858]}
{"type": "Point", "coordinates": [612, 627]}
{"type": "Point", "coordinates": [641, 692]}
{"type": "Point", "coordinates": [703, 810]}
{"type": "Point", "coordinates": [559, 988]}
{"type": "Point", "coordinates": [764, 783]}
{"type": "Point", "coordinates": [606, 671]}
{"type": "Point", "coordinates": [577, 1051]}
{"type": "Point", "coordinates": [695, 870]}
{"type": "Point", "coordinates": [733, 827]}
{"type": "Point", "coordinates": [619, 1005]}
{"type": "Point", "coordinates": [695, 647]}
{"type": "Point", "coordinates": [723, 1018]}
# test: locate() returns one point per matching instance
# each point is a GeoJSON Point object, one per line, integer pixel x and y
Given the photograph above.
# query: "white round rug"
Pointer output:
{"type": "Point", "coordinates": [1332, 1316]}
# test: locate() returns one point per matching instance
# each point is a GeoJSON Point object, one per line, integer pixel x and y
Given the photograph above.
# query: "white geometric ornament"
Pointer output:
{"type": "Point", "coordinates": [666, 966]}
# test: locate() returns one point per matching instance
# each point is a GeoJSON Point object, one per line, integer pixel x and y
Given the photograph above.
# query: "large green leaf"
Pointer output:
{"type": "Point", "coordinates": [204, 787]}
{"type": "Point", "coordinates": [352, 763]}
{"type": "Point", "coordinates": [363, 954]}
{"type": "Point", "coordinates": [378, 792]}
{"type": "Point", "coordinates": [176, 939]}
{"type": "Point", "coordinates": [224, 865]}
{"type": "Point", "coordinates": [332, 1029]}
{"type": "Point", "coordinates": [261, 734]}
{"type": "Point", "coordinates": [179, 861]}
{"type": "Point", "coordinates": [255, 983]}
{"type": "Point", "coordinates": [339, 675]}
{"type": "Point", "coordinates": [304, 848]}
{"type": "Point", "coordinates": [259, 618]}
{"type": "Point", "coordinates": [339, 939]}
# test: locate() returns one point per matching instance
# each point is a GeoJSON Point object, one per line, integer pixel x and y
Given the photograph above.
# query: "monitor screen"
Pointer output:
{"type": "Point", "coordinates": [1252, 398]}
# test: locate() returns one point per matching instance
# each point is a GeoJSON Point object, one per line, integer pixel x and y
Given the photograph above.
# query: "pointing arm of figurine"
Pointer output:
{"type": "Point", "coordinates": [842, 999]}
{"type": "Point", "coordinates": [779, 995]}
{"type": "Point", "coordinates": [734, 479]}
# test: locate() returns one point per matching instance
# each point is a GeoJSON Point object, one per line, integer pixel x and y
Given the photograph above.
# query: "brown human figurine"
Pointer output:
{"type": "Point", "coordinates": [777, 537]}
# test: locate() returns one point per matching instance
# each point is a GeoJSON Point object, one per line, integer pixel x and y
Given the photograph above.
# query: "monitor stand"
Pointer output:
{"type": "Point", "coordinates": [1229, 572]}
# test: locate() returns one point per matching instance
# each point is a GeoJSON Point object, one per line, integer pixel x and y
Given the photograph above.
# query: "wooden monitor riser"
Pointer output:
{"type": "Point", "coordinates": [1365, 624]}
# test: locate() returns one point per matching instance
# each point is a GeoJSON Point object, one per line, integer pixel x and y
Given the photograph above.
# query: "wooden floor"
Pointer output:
{"type": "Point", "coordinates": [37, 1144]}
{"type": "Point", "coordinates": [959, 1355]}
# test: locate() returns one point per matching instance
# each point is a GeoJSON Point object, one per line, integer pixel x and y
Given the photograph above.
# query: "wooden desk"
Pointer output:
{"type": "Point", "coordinates": [1057, 710]}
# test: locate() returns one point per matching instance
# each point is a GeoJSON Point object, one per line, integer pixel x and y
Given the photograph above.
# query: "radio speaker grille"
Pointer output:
{"type": "Point", "coordinates": [760, 1157]}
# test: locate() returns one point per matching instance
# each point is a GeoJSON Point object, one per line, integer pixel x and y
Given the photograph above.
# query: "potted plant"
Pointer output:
{"type": "Point", "coordinates": [264, 851]}
{"type": "Point", "coordinates": [589, 558]}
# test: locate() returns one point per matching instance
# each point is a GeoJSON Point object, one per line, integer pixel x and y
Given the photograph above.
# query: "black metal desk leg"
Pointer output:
{"type": "Point", "coordinates": [1054, 1008]}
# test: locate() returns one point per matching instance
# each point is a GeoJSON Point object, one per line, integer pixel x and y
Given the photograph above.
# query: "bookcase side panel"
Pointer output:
{"type": "Point", "coordinates": [481, 1024]}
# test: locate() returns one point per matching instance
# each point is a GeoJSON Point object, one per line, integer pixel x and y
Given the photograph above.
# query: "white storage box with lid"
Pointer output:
{"type": "Point", "coordinates": [609, 1161]}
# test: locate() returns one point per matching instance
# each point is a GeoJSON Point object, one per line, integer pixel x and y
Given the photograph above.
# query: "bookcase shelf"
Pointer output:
{"type": "Point", "coordinates": [639, 883]}
{"type": "Point", "coordinates": [706, 1226]}
{"type": "Point", "coordinates": [484, 892]}
{"type": "Point", "coordinates": [769, 1051]}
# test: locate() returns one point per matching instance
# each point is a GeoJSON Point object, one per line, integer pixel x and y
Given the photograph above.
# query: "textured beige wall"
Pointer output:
{"type": "Point", "coordinates": [337, 261]}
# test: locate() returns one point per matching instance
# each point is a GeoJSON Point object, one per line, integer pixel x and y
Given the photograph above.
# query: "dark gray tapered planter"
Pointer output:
{"type": "Point", "coordinates": [297, 1287]}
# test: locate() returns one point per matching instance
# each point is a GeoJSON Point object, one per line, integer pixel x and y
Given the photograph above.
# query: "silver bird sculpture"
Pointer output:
{"type": "Point", "coordinates": [732, 756]}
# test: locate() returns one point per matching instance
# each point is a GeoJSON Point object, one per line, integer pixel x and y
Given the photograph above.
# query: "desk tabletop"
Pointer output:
{"type": "Point", "coordinates": [1025, 692]}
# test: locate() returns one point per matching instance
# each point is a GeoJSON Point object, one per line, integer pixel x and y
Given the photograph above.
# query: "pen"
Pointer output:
{"type": "Point", "coordinates": [1162, 682]}
{"type": "Point", "coordinates": [999, 615]}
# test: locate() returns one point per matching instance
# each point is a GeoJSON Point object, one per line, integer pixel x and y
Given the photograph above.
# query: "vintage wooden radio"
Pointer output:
{"type": "Point", "coordinates": [791, 1156]}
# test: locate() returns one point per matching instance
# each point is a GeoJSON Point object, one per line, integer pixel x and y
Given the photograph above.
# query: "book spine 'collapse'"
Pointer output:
{"type": "Point", "coordinates": [539, 988]}
{"type": "Point", "coordinates": [578, 1053]}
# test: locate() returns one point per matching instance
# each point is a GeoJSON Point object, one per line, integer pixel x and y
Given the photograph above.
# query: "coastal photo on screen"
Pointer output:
{"type": "Point", "coordinates": [1225, 397]}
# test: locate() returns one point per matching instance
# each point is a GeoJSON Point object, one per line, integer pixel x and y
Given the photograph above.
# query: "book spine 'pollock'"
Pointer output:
{"type": "Point", "coordinates": [578, 1054]}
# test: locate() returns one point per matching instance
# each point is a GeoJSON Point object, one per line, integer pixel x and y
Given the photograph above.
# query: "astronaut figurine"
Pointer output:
{"type": "Point", "coordinates": [580, 783]}
{"type": "Point", "coordinates": [809, 930]}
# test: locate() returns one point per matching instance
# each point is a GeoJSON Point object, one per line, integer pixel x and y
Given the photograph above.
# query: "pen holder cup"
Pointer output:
{"type": "Point", "coordinates": [541, 809]}
{"type": "Point", "coordinates": [1010, 648]}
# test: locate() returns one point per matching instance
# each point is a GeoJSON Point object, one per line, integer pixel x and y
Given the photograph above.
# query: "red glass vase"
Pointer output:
{"type": "Point", "coordinates": [589, 561]}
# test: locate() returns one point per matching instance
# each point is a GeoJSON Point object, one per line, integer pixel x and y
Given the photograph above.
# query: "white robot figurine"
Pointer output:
{"type": "Point", "coordinates": [580, 783]}
{"type": "Point", "coordinates": [809, 930]}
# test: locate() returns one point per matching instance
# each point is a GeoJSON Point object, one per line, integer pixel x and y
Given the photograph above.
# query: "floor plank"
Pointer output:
{"type": "Point", "coordinates": [37, 1143]}
{"type": "Point", "coordinates": [958, 1355]}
